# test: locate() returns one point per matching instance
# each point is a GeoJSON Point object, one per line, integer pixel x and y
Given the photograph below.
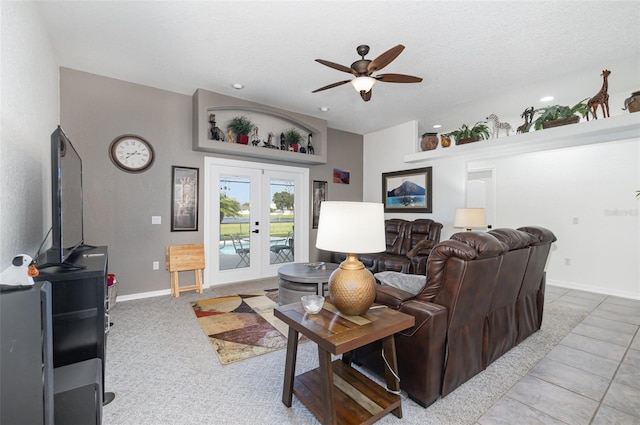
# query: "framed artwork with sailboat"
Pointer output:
{"type": "Point", "coordinates": [408, 191]}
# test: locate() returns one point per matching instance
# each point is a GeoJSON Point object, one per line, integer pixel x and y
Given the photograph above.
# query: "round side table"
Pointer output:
{"type": "Point", "coordinates": [298, 279]}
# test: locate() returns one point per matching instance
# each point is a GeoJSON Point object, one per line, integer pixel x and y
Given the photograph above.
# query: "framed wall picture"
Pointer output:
{"type": "Point", "coordinates": [319, 194]}
{"type": "Point", "coordinates": [407, 191]}
{"type": "Point", "coordinates": [184, 199]}
{"type": "Point", "coordinates": [341, 176]}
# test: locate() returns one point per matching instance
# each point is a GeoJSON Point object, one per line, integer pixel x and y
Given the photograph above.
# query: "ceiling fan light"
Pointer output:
{"type": "Point", "coordinates": [363, 84]}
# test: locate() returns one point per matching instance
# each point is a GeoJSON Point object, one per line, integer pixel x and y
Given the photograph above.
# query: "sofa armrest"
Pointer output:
{"type": "Point", "coordinates": [422, 248]}
{"type": "Point", "coordinates": [425, 312]}
{"type": "Point", "coordinates": [391, 296]}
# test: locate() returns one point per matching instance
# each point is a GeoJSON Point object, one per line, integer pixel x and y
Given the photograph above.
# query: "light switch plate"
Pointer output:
{"type": "Point", "coordinates": [156, 219]}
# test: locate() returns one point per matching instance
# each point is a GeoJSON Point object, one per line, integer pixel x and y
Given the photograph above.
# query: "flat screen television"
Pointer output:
{"type": "Point", "coordinates": [66, 201]}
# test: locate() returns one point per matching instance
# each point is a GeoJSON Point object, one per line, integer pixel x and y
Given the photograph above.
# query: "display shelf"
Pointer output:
{"type": "Point", "coordinates": [266, 118]}
{"type": "Point", "coordinates": [617, 128]}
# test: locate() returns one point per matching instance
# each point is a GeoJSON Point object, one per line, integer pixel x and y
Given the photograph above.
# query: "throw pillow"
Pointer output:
{"type": "Point", "coordinates": [411, 283]}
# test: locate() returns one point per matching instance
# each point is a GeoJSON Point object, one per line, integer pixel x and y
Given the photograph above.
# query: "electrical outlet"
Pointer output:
{"type": "Point", "coordinates": [156, 265]}
{"type": "Point", "coordinates": [156, 219]}
{"type": "Point", "coordinates": [567, 261]}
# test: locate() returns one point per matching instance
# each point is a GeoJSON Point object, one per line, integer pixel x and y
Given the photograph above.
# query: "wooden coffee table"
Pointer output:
{"type": "Point", "coordinates": [336, 392]}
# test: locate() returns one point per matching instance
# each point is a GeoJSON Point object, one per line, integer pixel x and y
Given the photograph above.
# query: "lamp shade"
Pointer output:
{"type": "Point", "coordinates": [363, 84]}
{"type": "Point", "coordinates": [356, 227]}
{"type": "Point", "coordinates": [470, 218]}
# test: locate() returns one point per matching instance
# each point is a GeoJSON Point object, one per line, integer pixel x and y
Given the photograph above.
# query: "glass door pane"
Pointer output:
{"type": "Point", "coordinates": [235, 207]}
{"type": "Point", "coordinates": [281, 220]}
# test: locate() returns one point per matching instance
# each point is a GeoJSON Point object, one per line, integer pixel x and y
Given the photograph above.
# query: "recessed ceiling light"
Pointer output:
{"type": "Point", "coordinates": [323, 108]}
{"type": "Point", "coordinates": [437, 126]}
{"type": "Point", "coordinates": [237, 86]}
{"type": "Point", "coordinates": [546, 99]}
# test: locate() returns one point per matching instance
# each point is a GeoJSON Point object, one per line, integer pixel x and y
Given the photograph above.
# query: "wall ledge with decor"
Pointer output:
{"type": "Point", "coordinates": [267, 119]}
{"type": "Point", "coordinates": [603, 130]}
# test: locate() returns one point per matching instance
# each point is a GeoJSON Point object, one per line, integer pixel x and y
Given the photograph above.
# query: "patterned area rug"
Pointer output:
{"type": "Point", "coordinates": [242, 326]}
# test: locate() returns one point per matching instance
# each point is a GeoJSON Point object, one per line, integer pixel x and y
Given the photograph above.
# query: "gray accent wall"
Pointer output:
{"type": "Point", "coordinates": [94, 111]}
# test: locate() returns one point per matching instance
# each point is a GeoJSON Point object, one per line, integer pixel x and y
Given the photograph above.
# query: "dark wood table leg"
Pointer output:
{"type": "Point", "coordinates": [290, 367]}
{"type": "Point", "coordinates": [389, 350]}
{"type": "Point", "coordinates": [326, 383]}
{"type": "Point", "coordinates": [347, 357]}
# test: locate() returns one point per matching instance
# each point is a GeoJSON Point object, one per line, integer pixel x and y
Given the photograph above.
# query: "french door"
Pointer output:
{"type": "Point", "coordinates": [255, 219]}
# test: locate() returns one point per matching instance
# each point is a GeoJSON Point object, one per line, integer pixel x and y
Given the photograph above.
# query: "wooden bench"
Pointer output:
{"type": "Point", "coordinates": [182, 258]}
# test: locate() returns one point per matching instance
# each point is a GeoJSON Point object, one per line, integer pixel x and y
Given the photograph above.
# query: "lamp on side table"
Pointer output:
{"type": "Point", "coordinates": [353, 228]}
{"type": "Point", "coordinates": [470, 218]}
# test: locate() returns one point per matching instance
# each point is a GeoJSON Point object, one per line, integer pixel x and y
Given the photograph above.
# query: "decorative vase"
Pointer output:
{"type": "Point", "coordinates": [445, 141]}
{"type": "Point", "coordinates": [564, 121]}
{"type": "Point", "coordinates": [243, 139]}
{"type": "Point", "coordinates": [429, 141]}
{"type": "Point", "coordinates": [632, 103]}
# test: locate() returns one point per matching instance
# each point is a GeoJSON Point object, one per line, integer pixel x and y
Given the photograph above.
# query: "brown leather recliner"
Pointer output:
{"type": "Point", "coordinates": [421, 235]}
{"type": "Point", "coordinates": [530, 302]}
{"type": "Point", "coordinates": [465, 314]}
{"type": "Point", "coordinates": [394, 231]}
{"type": "Point", "coordinates": [444, 348]}
{"type": "Point", "coordinates": [408, 244]}
{"type": "Point", "coordinates": [501, 327]}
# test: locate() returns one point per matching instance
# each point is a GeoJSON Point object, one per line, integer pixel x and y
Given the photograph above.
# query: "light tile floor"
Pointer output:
{"type": "Point", "coordinates": [591, 378]}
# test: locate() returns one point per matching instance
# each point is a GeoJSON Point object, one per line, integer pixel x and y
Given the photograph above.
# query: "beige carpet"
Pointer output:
{"type": "Point", "coordinates": [162, 368]}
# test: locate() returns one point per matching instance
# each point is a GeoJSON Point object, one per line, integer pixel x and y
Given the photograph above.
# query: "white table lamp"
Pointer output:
{"type": "Point", "coordinates": [352, 228]}
{"type": "Point", "coordinates": [470, 218]}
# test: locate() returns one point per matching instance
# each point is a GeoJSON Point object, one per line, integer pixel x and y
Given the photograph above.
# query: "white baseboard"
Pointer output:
{"type": "Point", "coordinates": [596, 289]}
{"type": "Point", "coordinates": [141, 295]}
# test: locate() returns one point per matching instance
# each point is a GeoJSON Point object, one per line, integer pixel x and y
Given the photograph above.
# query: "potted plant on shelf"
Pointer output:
{"type": "Point", "coordinates": [556, 115]}
{"type": "Point", "coordinates": [292, 139]}
{"type": "Point", "coordinates": [242, 127]}
{"type": "Point", "coordinates": [466, 134]}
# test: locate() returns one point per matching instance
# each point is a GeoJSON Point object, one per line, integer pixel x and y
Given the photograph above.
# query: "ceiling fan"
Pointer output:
{"type": "Point", "coordinates": [363, 69]}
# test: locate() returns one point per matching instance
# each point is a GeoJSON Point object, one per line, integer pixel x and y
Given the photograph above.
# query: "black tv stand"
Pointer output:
{"type": "Point", "coordinates": [66, 265]}
{"type": "Point", "coordinates": [79, 295]}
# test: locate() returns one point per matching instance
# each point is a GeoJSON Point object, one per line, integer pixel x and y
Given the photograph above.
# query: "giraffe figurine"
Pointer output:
{"type": "Point", "coordinates": [601, 98]}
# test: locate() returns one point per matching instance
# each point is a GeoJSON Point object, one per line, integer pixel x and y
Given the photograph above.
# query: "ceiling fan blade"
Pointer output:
{"type": "Point", "coordinates": [385, 59]}
{"type": "Point", "coordinates": [335, 66]}
{"type": "Point", "coordinates": [330, 86]}
{"type": "Point", "coordinates": [397, 78]}
{"type": "Point", "coordinates": [366, 96]}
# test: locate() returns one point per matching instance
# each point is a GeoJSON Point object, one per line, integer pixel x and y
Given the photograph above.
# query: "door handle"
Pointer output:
{"type": "Point", "coordinates": [255, 231]}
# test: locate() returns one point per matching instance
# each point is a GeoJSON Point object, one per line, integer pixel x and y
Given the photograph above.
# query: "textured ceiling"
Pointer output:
{"type": "Point", "coordinates": [467, 52]}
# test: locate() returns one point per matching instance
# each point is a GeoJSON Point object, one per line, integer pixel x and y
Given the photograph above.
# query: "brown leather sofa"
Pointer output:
{"type": "Point", "coordinates": [408, 244]}
{"type": "Point", "coordinates": [483, 295]}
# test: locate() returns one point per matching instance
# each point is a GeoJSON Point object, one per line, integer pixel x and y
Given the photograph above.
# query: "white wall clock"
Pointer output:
{"type": "Point", "coordinates": [132, 154]}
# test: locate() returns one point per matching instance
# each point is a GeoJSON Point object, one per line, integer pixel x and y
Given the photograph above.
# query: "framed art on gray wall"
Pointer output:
{"type": "Point", "coordinates": [319, 195]}
{"type": "Point", "coordinates": [407, 191]}
{"type": "Point", "coordinates": [184, 199]}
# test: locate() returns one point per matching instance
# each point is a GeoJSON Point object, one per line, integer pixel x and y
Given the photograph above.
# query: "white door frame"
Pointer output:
{"type": "Point", "coordinates": [481, 191]}
{"type": "Point", "coordinates": [212, 275]}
